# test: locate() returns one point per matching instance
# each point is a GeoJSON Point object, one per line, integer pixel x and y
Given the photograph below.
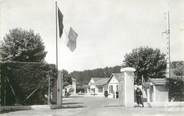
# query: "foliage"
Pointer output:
{"type": "Point", "coordinates": [22, 45]}
{"type": "Point", "coordinates": [176, 89]}
{"type": "Point", "coordinates": [178, 68]}
{"type": "Point", "coordinates": [176, 82]}
{"type": "Point", "coordinates": [148, 62]}
{"type": "Point", "coordinates": [26, 83]}
{"type": "Point", "coordinates": [67, 80]}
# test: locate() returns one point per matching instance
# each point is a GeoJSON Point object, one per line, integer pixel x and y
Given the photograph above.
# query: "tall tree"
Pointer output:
{"type": "Point", "coordinates": [22, 45]}
{"type": "Point", "coordinates": [148, 62]}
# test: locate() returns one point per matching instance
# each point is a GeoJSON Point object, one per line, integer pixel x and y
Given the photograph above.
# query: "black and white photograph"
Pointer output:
{"type": "Point", "coordinates": [91, 57]}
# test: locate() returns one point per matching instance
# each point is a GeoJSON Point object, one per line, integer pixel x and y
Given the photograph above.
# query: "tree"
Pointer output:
{"type": "Point", "coordinates": [148, 62]}
{"type": "Point", "coordinates": [178, 68]}
{"type": "Point", "coordinates": [24, 46]}
{"type": "Point", "coordinates": [176, 82]}
{"type": "Point", "coordinates": [66, 78]}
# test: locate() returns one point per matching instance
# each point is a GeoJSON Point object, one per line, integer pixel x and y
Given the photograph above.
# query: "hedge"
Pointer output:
{"type": "Point", "coordinates": [25, 83]}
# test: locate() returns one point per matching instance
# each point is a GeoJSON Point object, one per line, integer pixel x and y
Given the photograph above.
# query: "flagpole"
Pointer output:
{"type": "Point", "coordinates": [169, 54]}
{"type": "Point", "coordinates": [56, 37]}
{"type": "Point", "coordinates": [59, 75]}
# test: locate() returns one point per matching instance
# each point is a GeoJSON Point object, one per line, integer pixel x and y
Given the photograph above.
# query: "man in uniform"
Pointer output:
{"type": "Point", "coordinates": [138, 94]}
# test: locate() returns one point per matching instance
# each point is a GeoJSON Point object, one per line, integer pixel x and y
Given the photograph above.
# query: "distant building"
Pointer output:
{"type": "Point", "coordinates": [113, 84]}
{"type": "Point", "coordinates": [156, 90]}
{"type": "Point", "coordinates": [70, 89]}
{"type": "Point", "coordinates": [97, 86]}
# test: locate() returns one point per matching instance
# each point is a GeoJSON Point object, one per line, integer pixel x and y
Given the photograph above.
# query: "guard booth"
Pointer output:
{"type": "Point", "coordinates": [126, 95]}
{"type": "Point", "coordinates": [154, 91]}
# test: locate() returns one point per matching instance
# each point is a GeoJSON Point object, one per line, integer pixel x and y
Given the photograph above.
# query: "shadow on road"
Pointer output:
{"type": "Point", "coordinates": [74, 97]}
{"type": "Point", "coordinates": [70, 107]}
{"type": "Point", "coordinates": [113, 106]}
{"type": "Point", "coordinates": [70, 103]}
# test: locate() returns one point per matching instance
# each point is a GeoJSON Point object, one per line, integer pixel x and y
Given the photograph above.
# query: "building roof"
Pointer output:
{"type": "Point", "coordinates": [160, 81]}
{"type": "Point", "coordinates": [118, 76]}
{"type": "Point", "coordinates": [100, 81]}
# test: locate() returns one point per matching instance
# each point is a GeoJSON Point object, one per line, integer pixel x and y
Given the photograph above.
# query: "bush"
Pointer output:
{"type": "Point", "coordinates": [25, 83]}
{"type": "Point", "coordinates": [176, 89]}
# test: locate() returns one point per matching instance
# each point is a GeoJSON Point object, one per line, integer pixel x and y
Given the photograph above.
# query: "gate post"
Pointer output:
{"type": "Point", "coordinates": [59, 88]}
{"type": "Point", "coordinates": [127, 87]}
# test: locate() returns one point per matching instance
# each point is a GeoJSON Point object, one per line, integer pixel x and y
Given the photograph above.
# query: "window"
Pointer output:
{"type": "Point", "coordinates": [100, 89]}
{"type": "Point", "coordinates": [117, 89]}
{"type": "Point", "coordinates": [110, 89]}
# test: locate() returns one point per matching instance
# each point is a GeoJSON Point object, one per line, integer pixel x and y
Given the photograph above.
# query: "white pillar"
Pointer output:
{"type": "Point", "coordinates": [121, 91]}
{"type": "Point", "coordinates": [74, 85]}
{"type": "Point", "coordinates": [154, 94]}
{"type": "Point", "coordinates": [128, 74]}
{"type": "Point", "coordinates": [148, 95]}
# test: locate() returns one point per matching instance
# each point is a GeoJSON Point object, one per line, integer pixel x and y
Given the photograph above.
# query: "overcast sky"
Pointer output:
{"type": "Point", "coordinates": [107, 29]}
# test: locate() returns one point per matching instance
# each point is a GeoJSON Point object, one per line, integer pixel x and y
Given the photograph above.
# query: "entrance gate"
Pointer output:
{"type": "Point", "coordinates": [127, 87]}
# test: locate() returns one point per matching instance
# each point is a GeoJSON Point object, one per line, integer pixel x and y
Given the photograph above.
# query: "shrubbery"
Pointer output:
{"type": "Point", "coordinates": [176, 89]}
{"type": "Point", "coordinates": [25, 83]}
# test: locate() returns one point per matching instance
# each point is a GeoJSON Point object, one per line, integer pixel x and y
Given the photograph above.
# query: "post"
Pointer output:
{"type": "Point", "coordinates": [128, 86]}
{"type": "Point", "coordinates": [59, 88]}
{"type": "Point", "coordinates": [49, 94]}
{"type": "Point", "coordinates": [59, 75]}
{"type": "Point", "coordinates": [0, 86]}
{"type": "Point", "coordinates": [167, 32]}
{"type": "Point", "coordinates": [169, 65]}
{"type": "Point", "coordinates": [74, 85]}
{"type": "Point", "coordinates": [56, 35]}
{"type": "Point", "coordinates": [121, 90]}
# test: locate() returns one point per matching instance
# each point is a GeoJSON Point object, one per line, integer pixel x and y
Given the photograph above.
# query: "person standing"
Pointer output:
{"type": "Point", "coordinates": [139, 97]}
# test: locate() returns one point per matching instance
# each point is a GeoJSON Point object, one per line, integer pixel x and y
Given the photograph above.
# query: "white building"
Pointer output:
{"type": "Point", "coordinates": [113, 84]}
{"type": "Point", "coordinates": [156, 90]}
{"type": "Point", "coordinates": [71, 89]}
{"type": "Point", "coordinates": [97, 86]}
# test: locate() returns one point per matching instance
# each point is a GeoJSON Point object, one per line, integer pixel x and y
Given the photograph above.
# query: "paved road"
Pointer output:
{"type": "Point", "coordinates": [97, 106]}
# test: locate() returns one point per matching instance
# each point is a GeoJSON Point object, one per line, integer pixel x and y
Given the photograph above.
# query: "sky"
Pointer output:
{"type": "Point", "coordinates": [107, 29]}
